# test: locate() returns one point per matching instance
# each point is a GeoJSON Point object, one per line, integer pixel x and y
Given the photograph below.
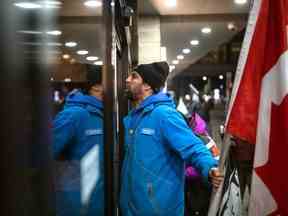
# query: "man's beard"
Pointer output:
{"type": "Point", "coordinates": [129, 95]}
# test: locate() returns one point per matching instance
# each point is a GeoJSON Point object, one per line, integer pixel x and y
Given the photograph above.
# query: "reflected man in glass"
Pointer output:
{"type": "Point", "coordinates": [78, 150]}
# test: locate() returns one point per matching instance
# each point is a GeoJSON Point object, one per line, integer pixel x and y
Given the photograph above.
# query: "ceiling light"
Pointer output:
{"type": "Point", "coordinates": [82, 52]}
{"type": "Point", "coordinates": [51, 4]}
{"type": "Point", "coordinates": [67, 80]}
{"type": "Point", "coordinates": [204, 78]}
{"type": "Point", "coordinates": [194, 42]}
{"type": "Point", "coordinates": [206, 30]}
{"type": "Point", "coordinates": [180, 57]}
{"type": "Point", "coordinates": [221, 77]}
{"type": "Point", "coordinates": [171, 3]}
{"type": "Point", "coordinates": [92, 58]}
{"type": "Point", "coordinates": [71, 44]}
{"type": "Point", "coordinates": [92, 3]}
{"type": "Point", "coordinates": [171, 68]}
{"type": "Point", "coordinates": [65, 56]}
{"type": "Point", "coordinates": [28, 5]}
{"type": "Point", "coordinates": [240, 2]}
{"type": "Point", "coordinates": [186, 51]}
{"type": "Point", "coordinates": [175, 62]}
{"type": "Point", "coordinates": [231, 26]}
{"type": "Point", "coordinates": [54, 32]}
{"type": "Point", "coordinates": [98, 63]}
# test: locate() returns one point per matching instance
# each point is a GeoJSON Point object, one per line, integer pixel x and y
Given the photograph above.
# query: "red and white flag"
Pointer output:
{"type": "Point", "coordinates": [258, 111]}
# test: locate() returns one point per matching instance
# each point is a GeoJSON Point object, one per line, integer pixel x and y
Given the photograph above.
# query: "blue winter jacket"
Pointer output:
{"type": "Point", "coordinates": [157, 143]}
{"type": "Point", "coordinates": [78, 150]}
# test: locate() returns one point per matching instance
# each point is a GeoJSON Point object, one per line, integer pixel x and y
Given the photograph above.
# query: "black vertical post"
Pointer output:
{"type": "Point", "coordinates": [26, 180]}
{"type": "Point", "coordinates": [108, 84]}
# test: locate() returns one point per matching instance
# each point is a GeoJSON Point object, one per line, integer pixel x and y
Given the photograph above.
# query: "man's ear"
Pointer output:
{"type": "Point", "coordinates": [146, 86]}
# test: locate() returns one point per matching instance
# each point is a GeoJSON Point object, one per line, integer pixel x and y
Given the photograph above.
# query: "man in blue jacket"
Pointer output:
{"type": "Point", "coordinates": [157, 142]}
{"type": "Point", "coordinates": [78, 150]}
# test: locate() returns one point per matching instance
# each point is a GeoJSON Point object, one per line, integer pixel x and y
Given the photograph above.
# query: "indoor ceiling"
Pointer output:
{"type": "Point", "coordinates": [179, 25]}
{"type": "Point", "coordinates": [183, 22]}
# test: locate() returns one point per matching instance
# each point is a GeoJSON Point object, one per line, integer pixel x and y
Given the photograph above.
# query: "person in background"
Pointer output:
{"type": "Point", "coordinates": [78, 150]}
{"type": "Point", "coordinates": [197, 193]}
{"type": "Point", "coordinates": [157, 143]}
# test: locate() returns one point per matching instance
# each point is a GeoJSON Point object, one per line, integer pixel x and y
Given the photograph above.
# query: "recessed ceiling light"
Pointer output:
{"type": "Point", "coordinates": [92, 58]}
{"type": "Point", "coordinates": [67, 80]}
{"type": "Point", "coordinates": [82, 52]}
{"type": "Point", "coordinates": [93, 3]}
{"type": "Point", "coordinates": [175, 62]}
{"type": "Point", "coordinates": [204, 78]}
{"type": "Point", "coordinates": [186, 51]}
{"type": "Point", "coordinates": [98, 63]}
{"type": "Point", "coordinates": [221, 77]}
{"type": "Point", "coordinates": [28, 5]}
{"type": "Point", "coordinates": [231, 26]}
{"type": "Point", "coordinates": [171, 67]}
{"type": "Point", "coordinates": [171, 3]}
{"type": "Point", "coordinates": [180, 57]}
{"type": "Point", "coordinates": [206, 30]}
{"type": "Point", "coordinates": [51, 4]}
{"type": "Point", "coordinates": [194, 42]}
{"type": "Point", "coordinates": [241, 2]}
{"type": "Point", "coordinates": [55, 32]}
{"type": "Point", "coordinates": [65, 56]}
{"type": "Point", "coordinates": [71, 44]}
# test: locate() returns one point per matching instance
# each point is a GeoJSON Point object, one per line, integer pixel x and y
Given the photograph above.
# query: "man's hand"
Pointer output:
{"type": "Point", "coordinates": [216, 177]}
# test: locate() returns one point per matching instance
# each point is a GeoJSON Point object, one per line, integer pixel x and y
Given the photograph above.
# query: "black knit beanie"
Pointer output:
{"type": "Point", "coordinates": [94, 74]}
{"type": "Point", "coordinates": [154, 74]}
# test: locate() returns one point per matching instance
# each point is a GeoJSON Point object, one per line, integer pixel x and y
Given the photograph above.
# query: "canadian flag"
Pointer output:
{"type": "Point", "coordinates": [258, 111]}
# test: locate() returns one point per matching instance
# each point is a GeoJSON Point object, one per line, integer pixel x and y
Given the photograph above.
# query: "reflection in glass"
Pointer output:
{"type": "Point", "coordinates": [76, 83]}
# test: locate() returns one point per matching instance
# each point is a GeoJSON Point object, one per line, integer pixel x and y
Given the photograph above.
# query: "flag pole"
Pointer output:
{"type": "Point", "coordinates": [217, 193]}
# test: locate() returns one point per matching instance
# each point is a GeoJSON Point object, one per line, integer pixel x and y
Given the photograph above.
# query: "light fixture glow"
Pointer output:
{"type": "Point", "coordinates": [92, 58]}
{"type": "Point", "coordinates": [171, 3]}
{"type": "Point", "coordinates": [240, 2]}
{"type": "Point", "coordinates": [175, 62]}
{"type": "Point", "coordinates": [71, 44]}
{"type": "Point", "coordinates": [194, 42]}
{"type": "Point", "coordinates": [186, 51]}
{"type": "Point", "coordinates": [82, 52]}
{"type": "Point", "coordinates": [171, 68]}
{"type": "Point", "coordinates": [180, 57]}
{"type": "Point", "coordinates": [204, 78]}
{"type": "Point", "coordinates": [92, 3]}
{"type": "Point", "coordinates": [206, 30]}
{"type": "Point", "coordinates": [67, 80]}
{"type": "Point", "coordinates": [28, 5]}
{"type": "Point", "coordinates": [52, 4]}
{"type": "Point", "coordinates": [98, 63]}
{"type": "Point", "coordinates": [221, 77]}
{"type": "Point", "coordinates": [54, 32]}
{"type": "Point", "coordinates": [65, 56]}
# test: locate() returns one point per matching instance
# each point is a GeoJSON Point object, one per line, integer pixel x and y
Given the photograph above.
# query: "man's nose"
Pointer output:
{"type": "Point", "coordinates": [128, 79]}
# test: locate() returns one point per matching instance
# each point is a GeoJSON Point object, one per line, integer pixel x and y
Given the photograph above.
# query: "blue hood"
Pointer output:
{"type": "Point", "coordinates": [77, 98]}
{"type": "Point", "coordinates": [155, 99]}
